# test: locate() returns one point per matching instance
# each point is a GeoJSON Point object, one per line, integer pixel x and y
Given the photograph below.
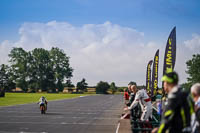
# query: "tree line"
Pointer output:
{"type": "Point", "coordinates": [41, 69]}
{"type": "Point", "coordinates": [36, 69]}
{"type": "Point", "coordinates": [102, 87]}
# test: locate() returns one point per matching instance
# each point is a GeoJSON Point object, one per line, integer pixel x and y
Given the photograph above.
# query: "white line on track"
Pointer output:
{"type": "Point", "coordinates": [73, 117]}
{"type": "Point", "coordinates": [60, 110]}
{"type": "Point", "coordinates": [118, 128]}
{"type": "Point", "coordinates": [21, 132]}
{"type": "Point", "coordinates": [25, 112]}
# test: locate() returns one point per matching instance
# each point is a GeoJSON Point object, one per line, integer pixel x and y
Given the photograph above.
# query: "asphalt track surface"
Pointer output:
{"type": "Point", "coordinates": [90, 114]}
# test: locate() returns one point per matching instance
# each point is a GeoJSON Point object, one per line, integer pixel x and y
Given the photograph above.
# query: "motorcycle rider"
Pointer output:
{"type": "Point", "coordinates": [43, 102]}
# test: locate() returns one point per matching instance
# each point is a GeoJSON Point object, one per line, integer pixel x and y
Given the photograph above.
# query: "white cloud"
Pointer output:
{"type": "Point", "coordinates": [105, 51]}
{"type": "Point", "coordinates": [184, 53]}
{"type": "Point", "coordinates": [5, 48]}
{"type": "Point", "coordinates": [194, 43]}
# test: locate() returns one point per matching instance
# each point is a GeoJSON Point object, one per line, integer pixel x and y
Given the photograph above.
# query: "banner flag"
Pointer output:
{"type": "Point", "coordinates": [155, 73]}
{"type": "Point", "coordinates": [170, 53]}
{"type": "Point", "coordinates": [148, 76]}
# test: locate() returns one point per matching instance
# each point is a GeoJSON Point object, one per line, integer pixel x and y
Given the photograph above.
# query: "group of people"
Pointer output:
{"type": "Point", "coordinates": [180, 110]}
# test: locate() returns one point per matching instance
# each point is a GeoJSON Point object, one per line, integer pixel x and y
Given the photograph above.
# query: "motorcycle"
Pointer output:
{"type": "Point", "coordinates": [42, 109]}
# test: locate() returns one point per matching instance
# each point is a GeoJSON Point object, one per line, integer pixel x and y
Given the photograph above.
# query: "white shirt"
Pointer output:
{"type": "Point", "coordinates": [141, 96]}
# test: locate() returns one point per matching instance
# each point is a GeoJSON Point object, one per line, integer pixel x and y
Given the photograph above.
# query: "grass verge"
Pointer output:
{"type": "Point", "coordinates": [24, 98]}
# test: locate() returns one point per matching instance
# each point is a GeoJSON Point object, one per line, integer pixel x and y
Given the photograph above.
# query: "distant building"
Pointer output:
{"type": "Point", "coordinates": [17, 89]}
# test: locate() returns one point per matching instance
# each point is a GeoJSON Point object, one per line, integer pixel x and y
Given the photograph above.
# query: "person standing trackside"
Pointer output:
{"type": "Point", "coordinates": [141, 96]}
{"type": "Point", "coordinates": [195, 90]}
{"type": "Point", "coordinates": [131, 99]}
{"type": "Point", "coordinates": [131, 95]}
{"type": "Point", "coordinates": [176, 115]}
{"type": "Point", "coordinates": [126, 95]}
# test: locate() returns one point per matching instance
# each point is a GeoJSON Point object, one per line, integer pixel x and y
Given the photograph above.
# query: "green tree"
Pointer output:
{"type": "Point", "coordinates": [121, 89]}
{"type": "Point", "coordinates": [51, 82]}
{"type": "Point", "coordinates": [11, 84]}
{"type": "Point", "coordinates": [43, 69]}
{"type": "Point", "coordinates": [4, 79]}
{"type": "Point", "coordinates": [82, 85]}
{"type": "Point", "coordinates": [186, 85]}
{"type": "Point", "coordinates": [33, 77]}
{"type": "Point", "coordinates": [102, 87]}
{"type": "Point", "coordinates": [113, 87]}
{"type": "Point", "coordinates": [19, 67]}
{"type": "Point", "coordinates": [193, 70]}
{"type": "Point", "coordinates": [39, 69]}
{"type": "Point", "coordinates": [69, 83]}
{"type": "Point", "coordinates": [60, 66]}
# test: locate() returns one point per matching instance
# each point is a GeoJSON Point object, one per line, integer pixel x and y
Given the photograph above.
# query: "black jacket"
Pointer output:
{"type": "Point", "coordinates": [176, 113]}
{"type": "Point", "coordinates": [131, 99]}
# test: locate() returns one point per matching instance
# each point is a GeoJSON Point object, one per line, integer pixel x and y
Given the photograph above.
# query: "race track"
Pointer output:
{"type": "Point", "coordinates": [90, 114]}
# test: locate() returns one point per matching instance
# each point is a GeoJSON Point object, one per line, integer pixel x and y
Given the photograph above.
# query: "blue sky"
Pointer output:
{"type": "Point", "coordinates": [153, 17]}
{"type": "Point", "coordinates": [113, 47]}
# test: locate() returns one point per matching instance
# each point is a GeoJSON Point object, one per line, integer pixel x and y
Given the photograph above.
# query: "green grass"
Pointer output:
{"type": "Point", "coordinates": [23, 98]}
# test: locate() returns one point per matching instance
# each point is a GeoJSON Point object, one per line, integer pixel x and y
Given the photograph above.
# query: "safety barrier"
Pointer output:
{"type": "Point", "coordinates": [140, 126]}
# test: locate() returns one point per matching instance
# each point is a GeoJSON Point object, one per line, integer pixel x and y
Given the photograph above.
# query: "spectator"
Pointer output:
{"type": "Point", "coordinates": [195, 90]}
{"type": "Point", "coordinates": [131, 99]}
{"type": "Point", "coordinates": [142, 97]}
{"type": "Point", "coordinates": [176, 116]}
{"type": "Point", "coordinates": [131, 95]}
{"type": "Point", "coordinates": [126, 95]}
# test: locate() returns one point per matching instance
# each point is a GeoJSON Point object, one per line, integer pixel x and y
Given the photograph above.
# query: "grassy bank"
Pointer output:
{"type": "Point", "coordinates": [23, 98]}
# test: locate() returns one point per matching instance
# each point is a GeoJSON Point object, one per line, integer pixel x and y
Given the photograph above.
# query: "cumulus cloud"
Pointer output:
{"type": "Point", "coordinates": [194, 43]}
{"type": "Point", "coordinates": [105, 51]}
{"type": "Point", "coordinates": [184, 53]}
{"type": "Point", "coordinates": [5, 48]}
